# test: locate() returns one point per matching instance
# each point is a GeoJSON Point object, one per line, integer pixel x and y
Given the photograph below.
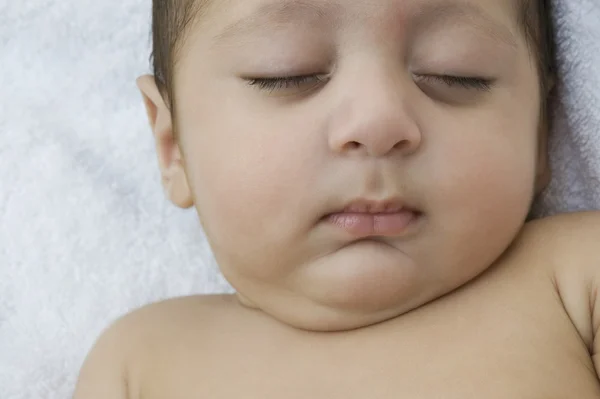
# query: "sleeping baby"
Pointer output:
{"type": "Point", "coordinates": [364, 172]}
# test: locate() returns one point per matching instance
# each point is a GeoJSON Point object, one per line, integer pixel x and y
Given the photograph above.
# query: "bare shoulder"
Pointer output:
{"type": "Point", "coordinates": [559, 247]}
{"type": "Point", "coordinates": [570, 247]}
{"type": "Point", "coordinates": [572, 237]}
{"type": "Point", "coordinates": [563, 224]}
{"type": "Point", "coordinates": [114, 365]}
{"type": "Point", "coordinates": [177, 312]}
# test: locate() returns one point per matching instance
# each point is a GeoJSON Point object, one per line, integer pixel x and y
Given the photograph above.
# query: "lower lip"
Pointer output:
{"type": "Point", "coordinates": [362, 225]}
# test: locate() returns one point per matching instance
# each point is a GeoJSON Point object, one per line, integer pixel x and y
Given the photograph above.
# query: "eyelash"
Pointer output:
{"type": "Point", "coordinates": [280, 83]}
{"type": "Point", "coordinates": [482, 84]}
{"type": "Point", "coordinates": [272, 84]}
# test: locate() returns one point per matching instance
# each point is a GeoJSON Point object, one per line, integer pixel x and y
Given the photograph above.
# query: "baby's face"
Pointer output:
{"type": "Point", "coordinates": [342, 173]}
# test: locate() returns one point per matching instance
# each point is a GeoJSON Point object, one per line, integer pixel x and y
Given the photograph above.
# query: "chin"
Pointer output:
{"type": "Point", "coordinates": [362, 278]}
{"type": "Point", "coordinates": [338, 309]}
{"type": "Point", "coordinates": [318, 318]}
{"type": "Point", "coordinates": [359, 285]}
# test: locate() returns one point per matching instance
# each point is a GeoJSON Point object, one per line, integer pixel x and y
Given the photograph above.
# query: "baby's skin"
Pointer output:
{"type": "Point", "coordinates": [526, 328]}
{"type": "Point", "coordinates": [363, 171]}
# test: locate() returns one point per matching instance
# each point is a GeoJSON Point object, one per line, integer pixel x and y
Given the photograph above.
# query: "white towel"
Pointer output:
{"type": "Point", "coordinates": [575, 139]}
{"type": "Point", "coordinates": [85, 232]}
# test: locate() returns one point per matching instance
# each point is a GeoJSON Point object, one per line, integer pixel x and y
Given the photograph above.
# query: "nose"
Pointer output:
{"type": "Point", "coordinates": [374, 119]}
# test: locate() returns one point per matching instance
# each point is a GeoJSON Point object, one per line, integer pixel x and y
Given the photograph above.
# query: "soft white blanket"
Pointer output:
{"type": "Point", "coordinates": [85, 233]}
{"type": "Point", "coordinates": [575, 141]}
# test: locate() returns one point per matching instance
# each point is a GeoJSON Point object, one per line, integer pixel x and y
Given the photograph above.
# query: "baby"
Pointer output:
{"type": "Point", "coordinates": [364, 171]}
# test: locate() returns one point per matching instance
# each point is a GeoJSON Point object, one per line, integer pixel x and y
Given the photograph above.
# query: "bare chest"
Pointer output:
{"type": "Point", "coordinates": [497, 342]}
{"type": "Point", "coordinates": [467, 358]}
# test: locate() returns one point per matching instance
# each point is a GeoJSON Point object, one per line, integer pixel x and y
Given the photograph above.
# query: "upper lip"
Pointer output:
{"type": "Point", "coordinates": [371, 206]}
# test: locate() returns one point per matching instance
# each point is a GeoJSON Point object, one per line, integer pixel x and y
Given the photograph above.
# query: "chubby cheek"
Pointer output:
{"type": "Point", "coordinates": [483, 190]}
{"type": "Point", "coordinates": [250, 177]}
{"type": "Point", "coordinates": [485, 182]}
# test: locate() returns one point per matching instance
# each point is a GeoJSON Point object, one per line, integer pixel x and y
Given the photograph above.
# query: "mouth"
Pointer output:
{"type": "Point", "coordinates": [364, 218]}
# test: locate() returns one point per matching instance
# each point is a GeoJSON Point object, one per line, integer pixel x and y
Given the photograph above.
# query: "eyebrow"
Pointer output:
{"type": "Point", "coordinates": [474, 15]}
{"type": "Point", "coordinates": [282, 13]}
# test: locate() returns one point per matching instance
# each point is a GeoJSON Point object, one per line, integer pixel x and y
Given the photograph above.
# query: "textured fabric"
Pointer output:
{"type": "Point", "coordinates": [575, 140]}
{"type": "Point", "coordinates": [85, 232]}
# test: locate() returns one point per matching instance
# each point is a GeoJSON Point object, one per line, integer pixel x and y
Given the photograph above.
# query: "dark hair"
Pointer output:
{"type": "Point", "coordinates": [537, 25]}
{"type": "Point", "coordinates": [172, 20]}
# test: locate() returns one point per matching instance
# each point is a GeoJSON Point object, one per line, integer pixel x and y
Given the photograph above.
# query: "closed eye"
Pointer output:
{"type": "Point", "coordinates": [290, 82]}
{"type": "Point", "coordinates": [286, 82]}
{"type": "Point", "coordinates": [482, 84]}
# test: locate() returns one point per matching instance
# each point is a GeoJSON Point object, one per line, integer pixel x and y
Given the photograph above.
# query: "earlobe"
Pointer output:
{"type": "Point", "coordinates": [551, 85]}
{"type": "Point", "coordinates": [543, 171]}
{"type": "Point", "coordinates": [170, 158]}
{"type": "Point", "coordinates": [543, 178]}
{"type": "Point", "coordinates": [177, 188]}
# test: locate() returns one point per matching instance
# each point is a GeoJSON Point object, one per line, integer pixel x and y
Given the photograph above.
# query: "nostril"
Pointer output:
{"type": "Point", "coordinates": [401, 144]}
{"type": "Point", "coordinates": [404, 145]}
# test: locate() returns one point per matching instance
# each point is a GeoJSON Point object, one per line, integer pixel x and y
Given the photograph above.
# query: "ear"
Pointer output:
{"type": "Point", "coordinates": [543, 171]}
{"type": "Point", "coordinates": [172, 170]}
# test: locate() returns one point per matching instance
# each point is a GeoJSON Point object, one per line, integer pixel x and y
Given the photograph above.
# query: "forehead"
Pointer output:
{"type": "Point", "coordinates": [234, 18]}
